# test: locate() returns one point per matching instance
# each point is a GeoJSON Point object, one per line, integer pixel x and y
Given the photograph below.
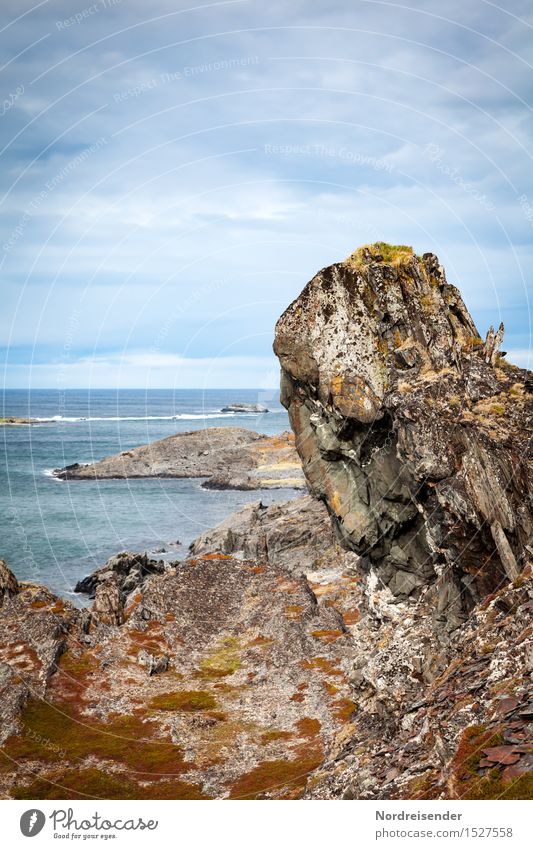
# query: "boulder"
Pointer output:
{"type": "Point", "coordinates": [413, 432]}
{"type": "Point", "coordinates": [8, 583]}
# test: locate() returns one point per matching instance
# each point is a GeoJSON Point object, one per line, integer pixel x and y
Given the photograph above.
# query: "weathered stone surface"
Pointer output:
{"type": "Point", "coordinates": [437, 713]}
{"type": "Point", "coordinates": [244, 408]}
{"type": "Point", "coordinates": [251, 683]}
{"type": "Point", "coordinates": [296, 535]}
{"type": "Point", "coordinates": [130, 569]}
{"type": "Point", "coordinates": [33, 632]}
{"type": "Point", "coordinates": [229, 457]}
{"type": "Point", "coordinates": [8, 583]}
{"type": "Point", "coordinates": [414, 433]}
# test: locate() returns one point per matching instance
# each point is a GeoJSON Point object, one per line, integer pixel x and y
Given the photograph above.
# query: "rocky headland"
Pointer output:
{"type": "Point", "coordinates": [373, 639]}
{"type": "Point", "coordinates": [227, 457]}
{"type": "Point", "coordinates": [10, 421]}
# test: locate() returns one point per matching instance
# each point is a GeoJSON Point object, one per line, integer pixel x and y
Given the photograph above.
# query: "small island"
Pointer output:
{"type": "Point", "coordinates": [15, 420]}
{"type": "Point", "coordinates": [244, 408]}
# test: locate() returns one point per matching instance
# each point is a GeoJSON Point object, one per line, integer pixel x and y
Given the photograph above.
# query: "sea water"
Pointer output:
{"type": "Point", "coordinates": [55, 532]}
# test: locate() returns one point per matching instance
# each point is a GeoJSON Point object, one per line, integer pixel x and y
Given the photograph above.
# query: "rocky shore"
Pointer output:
{"type": "Point", "coordinates": [228, 457]}
{"type": "Point", "coordinates": [371, 639]}
{"type": "Point", "coordinates": [15, 420]}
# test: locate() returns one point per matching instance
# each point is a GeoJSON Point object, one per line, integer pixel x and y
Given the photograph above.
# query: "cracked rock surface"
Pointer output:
{"type": "Point", "coordinates": [413, 432]}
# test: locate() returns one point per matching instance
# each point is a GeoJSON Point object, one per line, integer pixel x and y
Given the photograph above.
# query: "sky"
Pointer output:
{"type": "Point", "coordinates": [173, 173]}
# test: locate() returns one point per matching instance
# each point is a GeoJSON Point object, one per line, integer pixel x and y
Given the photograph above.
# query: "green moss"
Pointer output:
{"type": "Point", "coordinates": [224, 660]}
{"type": "Point", "coordinates": [278, 779]}
{"type": "Point", "coordinates": [271, 736]}
{"type": "Point", "coordinates": [95, 783]}
{"type": "Point", "coordinates": [184, 700]}
{"type": "Point", "coordinates": [381, 252]}
{"type": "Point", "coordinates": [50, 734]}
{"type": "Point", "coordinates": [492, 787]}
{"type": "Point", "coordinates": [78, 784]}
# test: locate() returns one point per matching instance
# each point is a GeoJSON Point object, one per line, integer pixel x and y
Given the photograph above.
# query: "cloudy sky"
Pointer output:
{"type": "Point", "coordinates": [175, 171]}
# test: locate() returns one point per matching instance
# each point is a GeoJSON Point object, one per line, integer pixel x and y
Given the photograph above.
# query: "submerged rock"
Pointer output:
{"type": "Point", "coordinates": [411, 430]}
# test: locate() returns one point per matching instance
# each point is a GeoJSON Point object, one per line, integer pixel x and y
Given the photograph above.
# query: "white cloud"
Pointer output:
{"type": "Point", "coordinates": [149, 370]}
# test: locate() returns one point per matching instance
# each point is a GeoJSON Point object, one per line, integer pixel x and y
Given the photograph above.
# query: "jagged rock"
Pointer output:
{"type": "Point", "coordinates": [228, 457]}
{"type": "Point", "coordinates": [296, 535]}
{"type": "Point", "coordinates": [8, 583]}
{"type": "Point", "coordinates": [108, 605]}
{"type": "Point", "coordinates": [34, 627]}
{"type": "Point", "coordinates": [412, 431]}
{"type": "Point", "coordinates": [154, 663]}
{"type": "Point", "coordinates": [258, 686]}
{"type": "Point", "coordinates": [130, 569]}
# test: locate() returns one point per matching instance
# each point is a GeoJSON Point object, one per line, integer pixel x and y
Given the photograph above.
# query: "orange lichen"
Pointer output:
{"type": "Point", "coordinates": [328, 635]}
{"type": "Point", "coordinates": [308, 727]}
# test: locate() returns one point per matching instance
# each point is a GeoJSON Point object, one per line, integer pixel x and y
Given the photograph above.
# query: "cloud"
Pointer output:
{"type": "Point", "coordinates": [204, 163]}
{"type": "Point", "coordinates": [147, 370]}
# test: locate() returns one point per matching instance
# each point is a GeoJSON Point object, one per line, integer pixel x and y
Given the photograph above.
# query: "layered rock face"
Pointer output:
{"type": "Point", "coordinates": [413, 431]}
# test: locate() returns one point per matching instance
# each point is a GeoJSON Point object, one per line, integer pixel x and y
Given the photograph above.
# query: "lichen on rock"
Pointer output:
{"type": "Point", "coordinates": [408, 427]}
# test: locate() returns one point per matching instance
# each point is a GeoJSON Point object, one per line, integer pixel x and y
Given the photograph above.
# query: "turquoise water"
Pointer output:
{"type": "Point", "coordinates": [55, 532]}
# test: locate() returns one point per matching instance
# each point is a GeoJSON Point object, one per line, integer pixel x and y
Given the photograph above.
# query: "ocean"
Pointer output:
{"type": "Point", "coordinates": [56, 532]}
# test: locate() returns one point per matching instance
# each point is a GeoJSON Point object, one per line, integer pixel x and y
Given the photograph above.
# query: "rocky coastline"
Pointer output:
{"type": "Point", "coordinates": [370, 639]}
{"type": "Point", "coordinates": [227, 457]}
{"type": "Point", "coordinates": [14, 421]}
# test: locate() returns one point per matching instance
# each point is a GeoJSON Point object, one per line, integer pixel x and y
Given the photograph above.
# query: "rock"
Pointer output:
{"type": "Point", "coordinates": [230, 458]}
{"type": "Point", "coordinates": [154, 663]}
{"type": "Point", "coordinates": [296, 535]}
{"type": "Point", "coordinates": [34, 627]}
{"type": "Point", "coordinates": [108, 605]}
{"type": "Point", "coordinates": [244, 408]}
{"type": "Point", "coordinates": [413, 432]}
{"type": "Point", "coordinates": [258, 686]}
{"type": "Point", "coordinates": [129, 568]}
{"type": "Point", "coordinates": [8, 583]}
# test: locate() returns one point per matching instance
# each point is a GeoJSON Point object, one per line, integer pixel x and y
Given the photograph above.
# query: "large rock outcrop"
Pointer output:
{"type": "Point", "coordinates": [228, 457]}
{"type": "Point", "coordinates": [295, 535]}
{"type": "Point", "coordinates": [411, 429]}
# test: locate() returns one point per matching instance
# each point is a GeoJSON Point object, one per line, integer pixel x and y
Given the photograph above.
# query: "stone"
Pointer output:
{"type": "Point", "coordinates": [108, 605]}
{"type": "Point", "coordinates": [413, 432]}
{"type": "Point", "coordinates": [8, 583]}
{"type": "Point", "coordinates": [296, 535]}
{"type": "Point", "coordinates": [228, 457]}
{"type": "Point", "coordinates": [129, 568]}
{"type": "Point", "coordinates": [244, 408]}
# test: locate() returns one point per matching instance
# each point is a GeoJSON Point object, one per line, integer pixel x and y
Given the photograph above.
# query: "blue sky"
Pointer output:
{"type": "Point", "coordinates": [174, 173]}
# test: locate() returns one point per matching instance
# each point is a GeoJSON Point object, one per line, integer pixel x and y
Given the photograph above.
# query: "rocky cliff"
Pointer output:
{"type": "Point", "coordinates": [375, 642]}
{"type": "Point", "coordinates": [413, 431]}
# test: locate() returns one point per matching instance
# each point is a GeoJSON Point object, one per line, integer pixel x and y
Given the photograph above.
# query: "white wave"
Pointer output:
{"type": "Point", "coordinates": [49, 473]}
{"type": "Point", "coordinates": [177, 417]}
